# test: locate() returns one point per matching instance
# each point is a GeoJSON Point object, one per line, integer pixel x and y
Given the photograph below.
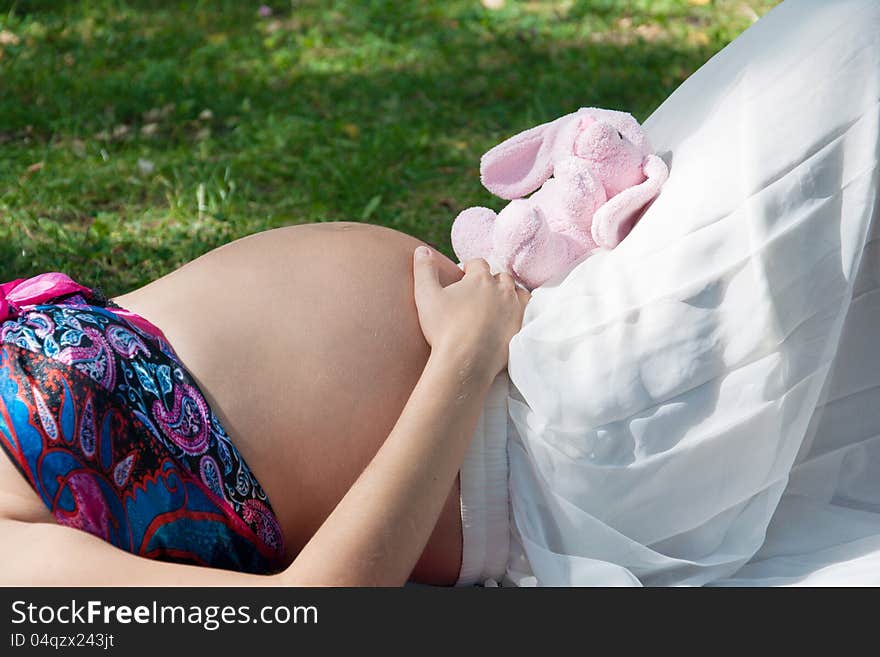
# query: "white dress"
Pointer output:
{"type": "Point", "coordinates": [702, 404]}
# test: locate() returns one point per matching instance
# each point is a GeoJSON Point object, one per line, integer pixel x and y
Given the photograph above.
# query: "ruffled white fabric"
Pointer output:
{"type": "Point", "coordinates": [702, 404]}
{"type": "Point", "coordinates": [485, 505]}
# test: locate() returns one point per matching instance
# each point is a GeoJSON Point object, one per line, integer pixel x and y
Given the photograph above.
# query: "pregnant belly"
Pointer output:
{"type": "Point", "coordinates": [306, 341]}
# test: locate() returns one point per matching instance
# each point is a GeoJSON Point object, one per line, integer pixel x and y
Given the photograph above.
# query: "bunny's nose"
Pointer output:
{"type": "Point", "coordinates": [608, 131]}
{"type": "Point", "coordinates": [597, 138]}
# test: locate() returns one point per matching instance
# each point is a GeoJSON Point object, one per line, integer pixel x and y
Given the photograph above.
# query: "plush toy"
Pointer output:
{"type": "Point", "coordinates": [595, 170]}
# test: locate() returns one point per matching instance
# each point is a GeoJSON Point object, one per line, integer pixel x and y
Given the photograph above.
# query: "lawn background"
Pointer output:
{"type": "Point", "coordinates": [136, 135]}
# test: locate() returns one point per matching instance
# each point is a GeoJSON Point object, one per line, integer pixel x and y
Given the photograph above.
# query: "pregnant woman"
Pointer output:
{"type": "Point", "coordinates": [320, 405]}
{"type": "Point", "coordinates": [225, 415]}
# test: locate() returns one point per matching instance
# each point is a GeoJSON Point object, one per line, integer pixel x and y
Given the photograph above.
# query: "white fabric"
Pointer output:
{"type": "Point", "coordinates": [702, 404]}
{"type": "Point", "coordinates": [485, 505]}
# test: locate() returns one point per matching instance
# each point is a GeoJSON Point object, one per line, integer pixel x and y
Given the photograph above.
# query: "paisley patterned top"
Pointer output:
{"type": "Point", "coordinates": [115, 436]}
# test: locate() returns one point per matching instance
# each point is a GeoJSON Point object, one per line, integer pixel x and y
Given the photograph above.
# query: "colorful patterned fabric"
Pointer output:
{"type": "Point", "coordinates": [112, 432]}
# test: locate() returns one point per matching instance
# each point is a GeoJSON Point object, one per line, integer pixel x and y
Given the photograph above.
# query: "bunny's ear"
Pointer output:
{"type": "Point", "coordinates": [616, 217]}
{"type": "Point", "coordinates": [521, 164]}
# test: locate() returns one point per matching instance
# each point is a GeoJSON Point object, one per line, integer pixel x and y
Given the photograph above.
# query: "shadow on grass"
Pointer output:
{"type": "Point", "coordinates": [313, 127]}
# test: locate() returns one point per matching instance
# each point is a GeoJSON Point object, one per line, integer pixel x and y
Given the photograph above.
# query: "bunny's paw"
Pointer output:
{"type": "Point", "coordinates": [472, 233]}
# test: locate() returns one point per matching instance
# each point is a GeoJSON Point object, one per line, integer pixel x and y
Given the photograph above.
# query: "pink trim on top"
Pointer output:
{"type": "Point", "coordinates": [43, 287]}
{"type": "Point", "coordinates": [31, 291]}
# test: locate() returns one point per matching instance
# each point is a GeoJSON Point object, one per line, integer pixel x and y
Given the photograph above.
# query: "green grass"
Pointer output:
{"type": "Point", "coordinates": [135, 136]}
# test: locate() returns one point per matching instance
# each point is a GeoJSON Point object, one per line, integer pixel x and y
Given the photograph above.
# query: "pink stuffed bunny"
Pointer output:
{"type": "Point", "coordinates": [603, 173]}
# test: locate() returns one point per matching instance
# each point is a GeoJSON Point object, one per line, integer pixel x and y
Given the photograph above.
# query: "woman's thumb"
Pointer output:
{"type": "Point", "coordinates": [426, 278]}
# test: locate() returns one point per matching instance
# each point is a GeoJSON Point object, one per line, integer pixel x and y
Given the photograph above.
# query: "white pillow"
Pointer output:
{"type": "Point", "coordinates": [662, 391]}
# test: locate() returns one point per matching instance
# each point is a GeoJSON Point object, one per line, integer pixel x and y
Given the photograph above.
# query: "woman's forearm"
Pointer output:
{"type": "Point", "coordinates": [42, 554]}
{"type": "Point", "coordinates": [379, 529]}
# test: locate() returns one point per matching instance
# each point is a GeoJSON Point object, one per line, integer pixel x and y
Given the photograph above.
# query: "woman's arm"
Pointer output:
{"type": "Point", "coordinates": [42, 554]}
{"type": "Point", "coordinates": [381, 526]}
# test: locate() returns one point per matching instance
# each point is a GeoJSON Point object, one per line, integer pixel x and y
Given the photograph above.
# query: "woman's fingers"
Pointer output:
{"type": "Point", "coordinates": [426, 278]}
{"type": "Point", "coordinates": [479, 265]}
{"type": "Point", "coordinates": [505, 281]}
{"type": "Point", "coordinates": [476, 265]}
{"type": "Point", "coordinates": [478, 313]}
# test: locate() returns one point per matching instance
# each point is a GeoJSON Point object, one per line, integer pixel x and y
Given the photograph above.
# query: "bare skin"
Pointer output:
{"type": "Point", "coordinates": [307, 342]}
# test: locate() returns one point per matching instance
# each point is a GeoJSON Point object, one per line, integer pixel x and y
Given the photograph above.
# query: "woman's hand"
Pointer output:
{"type": "Point", "coordinates": [475, 317]}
